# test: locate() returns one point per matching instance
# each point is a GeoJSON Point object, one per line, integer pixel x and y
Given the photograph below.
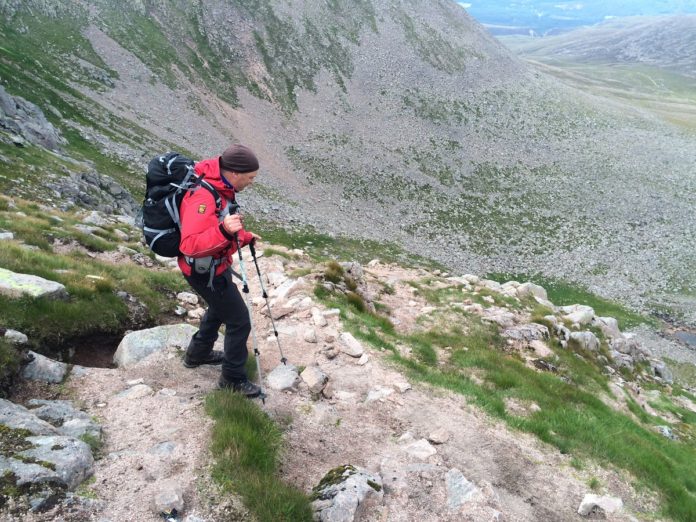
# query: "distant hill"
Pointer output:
{"type": "Point", "coordinates": [393, 121]}
{"type": "Point", "coordinates": [668, 42]}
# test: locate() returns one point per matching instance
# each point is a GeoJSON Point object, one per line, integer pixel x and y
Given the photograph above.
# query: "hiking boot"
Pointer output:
{"type": "Point", "coordinates": [214, 357]}
{"type": "Point", "coordinates": [245, 387]}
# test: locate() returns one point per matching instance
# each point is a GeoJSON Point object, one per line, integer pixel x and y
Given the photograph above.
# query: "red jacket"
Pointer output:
{"type": "Point", "coordinates": [202, 233]}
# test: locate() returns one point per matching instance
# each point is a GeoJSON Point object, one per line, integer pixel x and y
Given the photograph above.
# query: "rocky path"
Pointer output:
{"type": "Point", "coordinates": [435, 456]}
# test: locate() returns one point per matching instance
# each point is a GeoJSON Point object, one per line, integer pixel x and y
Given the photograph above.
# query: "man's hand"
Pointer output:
{"type": "Point", "coordinates": [233, 223]}
{"type": "Point", "coordinates": [255, 237]}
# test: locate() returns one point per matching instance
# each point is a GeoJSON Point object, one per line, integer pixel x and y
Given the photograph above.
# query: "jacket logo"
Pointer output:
{"type": "Point", "coordinates": [201, 209]}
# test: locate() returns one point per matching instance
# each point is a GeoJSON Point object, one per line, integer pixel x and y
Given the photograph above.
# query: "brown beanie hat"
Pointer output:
{"type": "Point", "coordinates": [240, 159]}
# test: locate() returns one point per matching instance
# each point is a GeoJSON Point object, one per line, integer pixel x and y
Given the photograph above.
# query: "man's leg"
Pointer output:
{"type": "Point", "coordinates": [225, 305]}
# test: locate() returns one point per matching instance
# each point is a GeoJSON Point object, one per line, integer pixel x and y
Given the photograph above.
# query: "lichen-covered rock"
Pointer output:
{"type": "Point", "coordinates": [66, 418]}
{"type": "Point", "coordinates": [16, 285]}
{"type": "Point", "coordinates": [346, 493]}
{"type": "Point", "coordinates": [16, 417]}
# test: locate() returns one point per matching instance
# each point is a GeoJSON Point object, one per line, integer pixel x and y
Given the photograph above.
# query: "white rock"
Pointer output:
{"type": "Point", "coordinates": [180, 311]}
{"type": "Point", "coordinates": [364, 359]}
{"type": "Point", "coordinates": [318, 318]}
{"type": "Point", "coordinates": [591, 503]}
{"type": "Point", "coordinates": [95, 218]}
{"type": "Point", "coordinates": [16, 337]}
{"type": "Point", "coordinates": [373, 263]}
{"type": "Point", "coordinates": [187, 297]}
{"type": "Point", "coordinates": [527, 289]}
{"type": "Point", "coordinates": [439, 436]}
{"type": "Point", "coordinates": [310, 335]}
{"type": "Point", "coordinates": [609, 326]}
{"type": "Point", "coordinates": [545, 302]}
{"type": "Point", "coordinates": [350, 345]}
{"type": "Point", "coordinates": [402, 386]}
{"type": "Point", "coordinates": [421, 449]}
{"type": "Point", "coordinates": [579, 314]}
{"type": "Point", "coordinates": [491, 285]}
{"type": "Point", "coordinates": [378, 393]}
{"type": "Point", "coordinates": [136, 392]}
{"type": "Point", "coordinates": [332, 312]}
{"type": "Point", "coordinates": [137, 345]}
{"type": "Point", "coordinates": [196, 314]}
{"type": "Point", "coordinates": [315, 378]}
{"type": "Point", "coordinates": [470, 278]}
{"type": "Point", "coordinates": [282, 377]}
{"type": "Point", "coordinates": [585, 340]}
{"type": "Point", "coordinates": [276, 278]}
{"type": "Point", "coordinates": [551, 319]}
{"type": "Point", "coordinates": [6, 236]}
{"type": "Point", "coordinates": [133, 382]}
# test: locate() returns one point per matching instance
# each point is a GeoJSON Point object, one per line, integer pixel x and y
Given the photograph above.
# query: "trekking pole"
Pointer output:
{"type": "Point", "coordinates": [255, 344]}
{"type": "Point", "coordinates": [268, 304]}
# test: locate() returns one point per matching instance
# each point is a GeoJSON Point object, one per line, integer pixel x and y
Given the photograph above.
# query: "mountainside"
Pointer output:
{"type": "Point", "coordinates": [667, 42]}
{"type": "Point", "coordinates": [392, 121]}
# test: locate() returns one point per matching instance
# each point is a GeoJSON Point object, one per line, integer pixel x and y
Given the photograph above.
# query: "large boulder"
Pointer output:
{"type": "Point", "coordinates": [16, 285]}
{"type": "Point", "coordinates": [527, 332]}
{"type": "Point", "coordinates": [609, 327]}
{"type": "Point", "coordinates": [68, 458]}
{"type": "Point", "coordinates": [530, 289]}
{"type": "Point", "coordinates": [137, 345]}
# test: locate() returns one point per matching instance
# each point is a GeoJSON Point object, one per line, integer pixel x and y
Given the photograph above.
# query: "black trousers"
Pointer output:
{"type": "Point", "coordinates": [225, 305]}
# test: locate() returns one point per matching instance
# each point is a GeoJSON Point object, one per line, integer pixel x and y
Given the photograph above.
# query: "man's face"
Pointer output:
{"type": "Point", "coordinates": [240, 181]}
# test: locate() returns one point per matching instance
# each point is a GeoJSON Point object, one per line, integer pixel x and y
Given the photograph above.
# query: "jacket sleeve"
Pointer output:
{"type": "Point", "coordinates": [201, 234]}
{"type": "Point", "coordinates": [245, 237]}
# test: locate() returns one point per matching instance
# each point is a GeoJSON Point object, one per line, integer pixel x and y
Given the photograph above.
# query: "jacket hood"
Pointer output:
{"type": "Point", "coordinates": [210, 170]}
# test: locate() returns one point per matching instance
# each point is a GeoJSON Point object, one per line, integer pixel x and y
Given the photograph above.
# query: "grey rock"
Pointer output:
{"type": "Point", "coordinates": [95, 218]}
{"type": "Point", "coordinates": [283, 377]}
{"type": "Point", "coordinates": [527, 332]}
{"type": "Point", "coordinates": [137, 345]}
{"type": "Point", "coordinates": [310, 335]}
{"type": "Point", "coordinates": [378, 393]}
{"type": "Point", "coordinates": [667, 432]}
{"type": "Point", "coordinates": [439, 436]}
{"type": "Point", "coordinates": [318, 318]}
{"type": "Point", "coordinates": [459, 489]}
{"type": "Point", "coordinates": [622, 360]}
{"type": "Point", "coordinates": [63, 415]}
{"type": "Point", "coordinates": [348, 497]}
{"type": "Point", "coordinates": [661, 370]}
{"type": "Point", "coordinates": [71, 458]}
{"type": "Point", "coordinates": [6, 236]}
{"type": "Point", "coordinates": [16, 285]}
{"type": "Point", "coordinates": [584, 340]}
{"type": "Point", "coordinates": [43, 369]}
{"type": "Point", "coordinates": [169, 497]}
{"type": "Point", "coordinates": [18, 417]}
{"type": "Point", "coordinates": [16, 337]}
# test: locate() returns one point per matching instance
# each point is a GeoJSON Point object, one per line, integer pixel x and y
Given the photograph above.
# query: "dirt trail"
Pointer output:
{"type": "Point", "coordinates": [165, 435]}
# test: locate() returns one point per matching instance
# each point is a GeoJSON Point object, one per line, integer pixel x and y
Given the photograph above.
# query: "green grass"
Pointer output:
{"type": "Point", "coordinates": [93, 306]}
{"type": "Point", "coordinates": [323, 247]}
{"type": "Point", "coordinates": [246, 446]}
{"type": "Point", "coordinates": [572, 417]}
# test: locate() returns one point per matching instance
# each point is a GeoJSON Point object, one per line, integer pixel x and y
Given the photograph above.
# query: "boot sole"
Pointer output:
{"type": "Point", "coordinates": [196, 365]}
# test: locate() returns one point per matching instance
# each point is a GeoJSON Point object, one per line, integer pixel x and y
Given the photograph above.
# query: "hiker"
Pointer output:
{"type": "Point", "coordinates": [208, 240]}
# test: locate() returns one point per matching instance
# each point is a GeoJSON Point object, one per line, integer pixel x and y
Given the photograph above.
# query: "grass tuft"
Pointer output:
{"type": "Point", "coordinates": [246, 446]}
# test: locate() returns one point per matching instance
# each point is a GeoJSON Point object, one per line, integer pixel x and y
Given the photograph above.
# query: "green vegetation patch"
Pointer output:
{"type": "Point", "coordinates": [323, 247]}
{"type": "Point", "coordinates": [246, 446]}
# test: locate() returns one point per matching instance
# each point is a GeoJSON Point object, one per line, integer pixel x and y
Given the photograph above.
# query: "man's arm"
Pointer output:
{"type": "Point", "coordinates": [201, 233]}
